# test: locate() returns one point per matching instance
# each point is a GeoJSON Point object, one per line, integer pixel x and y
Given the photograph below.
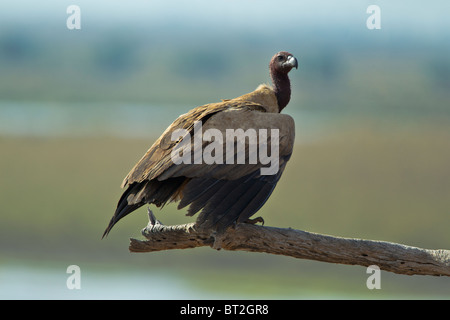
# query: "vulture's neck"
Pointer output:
{"type": "Point", "coordinates": [282, 88]}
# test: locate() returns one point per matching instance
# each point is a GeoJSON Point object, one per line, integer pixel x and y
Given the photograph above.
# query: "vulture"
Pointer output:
{"type": "Point", "coordinates": [225, 192]}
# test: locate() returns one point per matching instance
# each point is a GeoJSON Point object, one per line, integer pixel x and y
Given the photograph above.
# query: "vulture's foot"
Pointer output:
{"type": "Point", "coordinates": [255, 221]}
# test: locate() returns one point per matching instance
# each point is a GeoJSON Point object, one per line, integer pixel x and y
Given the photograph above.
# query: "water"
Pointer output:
{"type": "Point", "coordinates": [53, 119]}
{"type": "Point", "coordinates": [25, 282]}
{"type": "Point", "coordinates": [46, 283]}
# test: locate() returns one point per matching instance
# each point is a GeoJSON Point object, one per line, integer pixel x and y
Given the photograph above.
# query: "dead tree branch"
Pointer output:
{"type": "Point", "coordinates": [392, 257]}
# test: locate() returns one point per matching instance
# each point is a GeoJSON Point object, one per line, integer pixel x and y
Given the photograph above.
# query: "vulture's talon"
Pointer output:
{"type": "Point", "coordinates": [255, 221]}
{"type": "Point", "coordinates": [152, 219]}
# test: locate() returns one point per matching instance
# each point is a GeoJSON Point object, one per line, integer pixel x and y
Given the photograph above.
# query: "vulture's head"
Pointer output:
{"type": "Point", "coordinates": [283, 62]}
{"type": "Point", "coordinates": [280, 65]}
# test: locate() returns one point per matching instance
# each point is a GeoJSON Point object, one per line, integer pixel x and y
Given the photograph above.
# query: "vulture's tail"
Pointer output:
{"type": "Point", "coordinates": [150, 192]}
{"type": "Point", "coordinates": [123, 208]}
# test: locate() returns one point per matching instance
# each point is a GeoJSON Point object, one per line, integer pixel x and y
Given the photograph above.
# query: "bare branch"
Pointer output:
{"type": "Point", "coordinates": [392, 257]}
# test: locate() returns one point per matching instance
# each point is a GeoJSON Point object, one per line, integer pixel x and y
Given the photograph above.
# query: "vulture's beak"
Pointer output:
{"type": "Point", "coordinates": [292, 62]}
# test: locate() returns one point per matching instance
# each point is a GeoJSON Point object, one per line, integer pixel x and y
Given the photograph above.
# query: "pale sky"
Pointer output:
{"type": "Point", "coordinates": [423, 18]}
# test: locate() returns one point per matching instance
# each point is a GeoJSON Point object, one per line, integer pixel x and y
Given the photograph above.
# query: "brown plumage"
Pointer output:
{"type": "Point", "coordinates": [222, 193]}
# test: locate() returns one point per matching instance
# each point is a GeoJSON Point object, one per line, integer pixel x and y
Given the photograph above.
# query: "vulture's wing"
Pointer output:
{"type": "Point", "coordinates": [224, 193]}
{"type": "Point", "coordinates": [158, 158]}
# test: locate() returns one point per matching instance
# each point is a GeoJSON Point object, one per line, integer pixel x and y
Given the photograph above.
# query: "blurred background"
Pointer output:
{"type": "Point", "coordinates": [78, 108]}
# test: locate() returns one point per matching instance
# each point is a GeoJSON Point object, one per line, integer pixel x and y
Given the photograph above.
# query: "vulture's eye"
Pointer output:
{"type": "Point", "coordinates": [280, 58]}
